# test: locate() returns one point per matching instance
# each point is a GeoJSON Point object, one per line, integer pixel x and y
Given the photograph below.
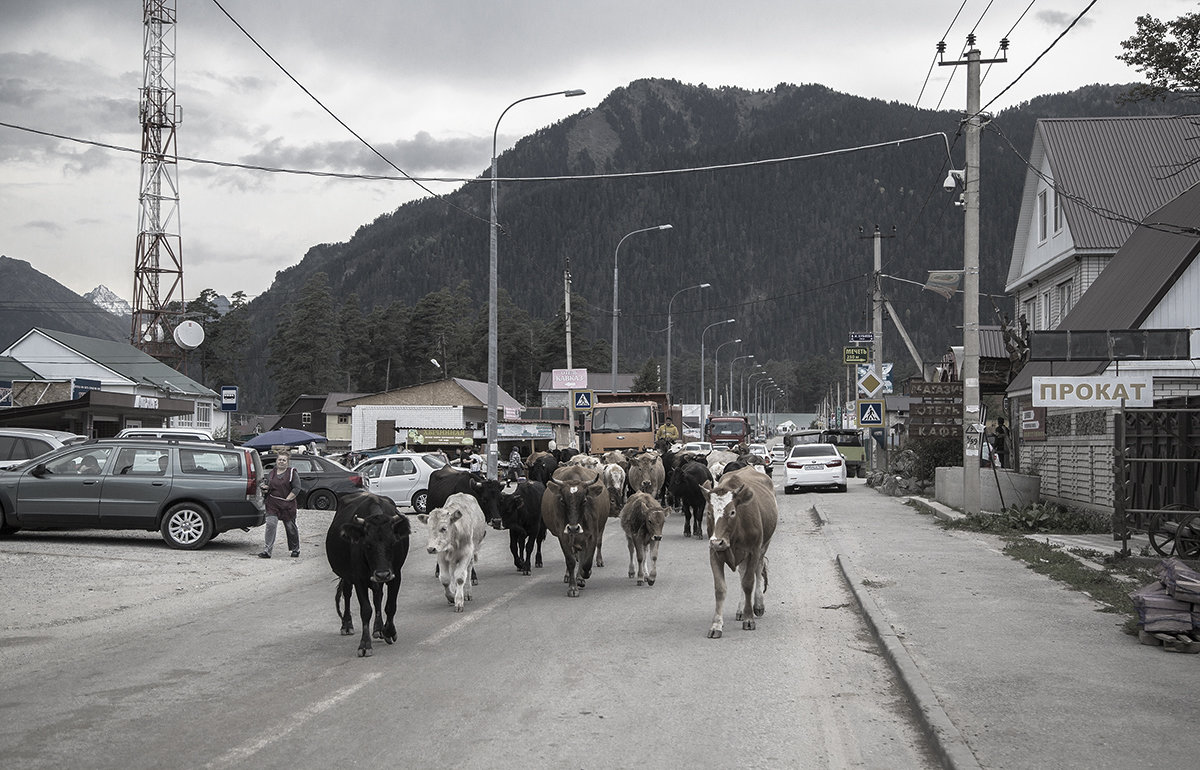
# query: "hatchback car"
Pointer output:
{"type": "Point", "coordinates": [322, 480]}
{"type": "Point", "coordinates": [760, 450]}
{"type": "Point", "coordinates": [403, 477]}
{"type": "Point", "coordinates": [814, 465]}
{"type": "Point", "coordinates": [778, 454]}
{"type": "Point", "coordinates": [700, 447]}
{"type": "Point", "coordinates": [20, 444]}
{"type": "Point", "coordinates": [189, 491]}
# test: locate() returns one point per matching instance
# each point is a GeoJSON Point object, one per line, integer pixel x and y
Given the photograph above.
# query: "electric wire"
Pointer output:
{"type": "Point", "coordinates": [933, 63]}
{"type": "Point", "coordinates": [340, 122]}
{"type": "Point", "coordinates": [1007, 36]}
{"type": "Point", "coordinates": [512, 179]}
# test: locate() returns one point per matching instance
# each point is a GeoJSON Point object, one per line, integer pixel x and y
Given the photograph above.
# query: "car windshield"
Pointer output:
{"type": "Point", "coordinates": [728, 428]}
{"type": "Point", "coordinates": [843, 439]}
{"type": "Point", "coordinates": [813, 450]}
{"type": "Point", "coordinates": [613, 419]}
{"type": "Point", "coordinates": [433, 461]}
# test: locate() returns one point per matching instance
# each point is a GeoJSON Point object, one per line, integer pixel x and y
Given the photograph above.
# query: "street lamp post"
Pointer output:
{"type": "Point", "coordinates": [493, 291]}
{"type": "Point", "coordinates": [729, 393]}
{"type": "Point", "coordinates": [703, 400]}
{"type": "Point", "coordinates": [716, 379]}
{"type": "Point", "coordinates": [676, 294]}
{"type": "Point", "coordinates": [742, 388]}
{"type": "Point", "coordinates": [615, 312]}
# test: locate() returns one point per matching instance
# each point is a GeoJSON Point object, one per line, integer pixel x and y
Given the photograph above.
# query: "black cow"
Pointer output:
{"type": "Point", "coordinates": [521, 515]}
{"type": "Point", "coordinates": [575, 509]}
{"type": "Point", "coordinates": [541, 467]}
{"type": "Point", "coordinates": [366, 545]}
{"type": "Point", "coordinates": [687, 486]}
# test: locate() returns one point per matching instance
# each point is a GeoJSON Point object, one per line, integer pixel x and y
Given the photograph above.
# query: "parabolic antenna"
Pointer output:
{"type": "Point", "coordinates": [189, 335]}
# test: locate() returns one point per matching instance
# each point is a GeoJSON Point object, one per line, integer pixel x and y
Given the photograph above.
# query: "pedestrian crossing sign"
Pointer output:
{"type": "Point", "coordinates": [870, 413]}
{"type": "Point", "coordinates": [583, 399]}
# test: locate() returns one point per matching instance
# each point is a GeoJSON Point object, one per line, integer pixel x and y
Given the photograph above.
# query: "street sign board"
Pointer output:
{"type": "Point", "coordinates": [1123, 390]}
{"type": "Point", "coordinates": [870, 413]}
{"type": "Point", "coordinates": [583, 399]}
{"type": "Point", "coordinates": [856, 355]}
{"type": "Point", "coordinates": [885, 379]}
{"type": "Point", "coordinates": [862, 336]}
{"type": "Point", "coordinates": [568, 379]}
{"type": "Point", "coordinates": [229, 398]}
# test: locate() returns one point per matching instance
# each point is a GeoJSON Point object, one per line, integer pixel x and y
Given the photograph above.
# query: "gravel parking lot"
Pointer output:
{"type": "Point", "coordinates": [52, 578]}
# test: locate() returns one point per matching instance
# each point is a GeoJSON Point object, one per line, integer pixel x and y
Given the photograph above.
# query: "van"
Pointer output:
{"type": "Point", "coordinates": [182, 434]}
{"type": "Point", "coordinates": [20, 444]}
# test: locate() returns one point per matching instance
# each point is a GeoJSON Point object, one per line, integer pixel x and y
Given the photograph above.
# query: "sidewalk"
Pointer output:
{"type": "Point", "coordinates": [1007, 668]}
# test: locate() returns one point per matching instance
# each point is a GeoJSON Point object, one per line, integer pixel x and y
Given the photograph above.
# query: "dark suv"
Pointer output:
{"type": "Point", "coordinates": [190, 491]}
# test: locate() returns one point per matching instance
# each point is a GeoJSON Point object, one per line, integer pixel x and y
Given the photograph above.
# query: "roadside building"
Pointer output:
{"type": "Point", "coordinates": [96, 387]}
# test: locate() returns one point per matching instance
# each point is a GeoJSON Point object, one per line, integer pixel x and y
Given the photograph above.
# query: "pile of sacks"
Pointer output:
{"type": "Point", "coordinates": [1169, 609]}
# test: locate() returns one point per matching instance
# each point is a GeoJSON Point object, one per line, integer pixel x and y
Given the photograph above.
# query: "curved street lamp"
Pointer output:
{"type": "Point", "coordinates": [493, 322]}
{"type": "Point", "coordinates": [703, 400]}
{"type": "Point", "coordinates": [746, 378]}
{"type": "Point", "coordinates": [729, 393]}
{"type": "Point", "coordinates": [676, 294]}
{"type": "Point", "coordinates": [716, 379]}
{"type": "Point", "coordinates": [615, 311]}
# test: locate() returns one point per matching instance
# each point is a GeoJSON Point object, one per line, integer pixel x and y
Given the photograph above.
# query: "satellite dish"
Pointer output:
{"type": "Point", "coordinates": [189, 335]}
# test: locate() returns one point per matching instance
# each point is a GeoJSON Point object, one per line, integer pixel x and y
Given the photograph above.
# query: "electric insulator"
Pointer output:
{"type": "Point", "coordinates": [941, 46]}
{"type": "Point", "coordinates": [1004, 44]}
{"type": "Point", "coordinates": [971, 39]}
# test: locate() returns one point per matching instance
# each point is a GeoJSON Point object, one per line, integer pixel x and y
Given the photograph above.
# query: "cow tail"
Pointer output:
{"type": "Point", "coordinates": [337, 599]}
{"type": "Point", "coordinates": [764, 571]}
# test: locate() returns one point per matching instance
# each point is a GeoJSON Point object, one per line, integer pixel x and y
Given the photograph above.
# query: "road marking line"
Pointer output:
{"type": "Point", "coordinates": [475, 615]}
{"type": "Point", "coordinates": [247, 750]}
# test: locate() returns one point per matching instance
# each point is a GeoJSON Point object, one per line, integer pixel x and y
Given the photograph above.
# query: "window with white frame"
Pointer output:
{"type": "Point", "coordinates": [1047, 311]}
{"type": "Point", "coordinates": [1041, 216]}
{"type": "Point", "coordinates": [306, 418]}
{"type": "Point", "coordinates": [1064, 299]}
{"type": "Point", "coordinates": [204, 414]}
{"type": "Point", "coordinates": [343, 419]}
{"type": "Point", "coordinates": [1029, 310]}
{"type": "Point", "coordinates": [1058, 223]}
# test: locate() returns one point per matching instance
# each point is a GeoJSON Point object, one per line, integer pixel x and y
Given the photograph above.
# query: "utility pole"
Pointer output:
{"type": "Point", "coordinates": [972, 431]}
{"type": "Point", "coordinates": [877, 334]}
{"type": "Point", "coordinates": [567, 323]}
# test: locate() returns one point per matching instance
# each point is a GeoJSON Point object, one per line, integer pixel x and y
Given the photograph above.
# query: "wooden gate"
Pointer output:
{"type": "Point", "coordinates": [1157, 484]}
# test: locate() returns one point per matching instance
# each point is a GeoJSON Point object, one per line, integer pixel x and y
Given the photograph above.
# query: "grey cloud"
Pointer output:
{"type": "Point", "coordinates": [1060, 19]}
{"type": "Point", "coordinates": [53, 228]}
{"type": "Point", "coordinates": [422, 155]}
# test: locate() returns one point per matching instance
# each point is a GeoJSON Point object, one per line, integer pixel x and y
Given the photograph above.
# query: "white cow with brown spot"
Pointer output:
{"type": "Point", "coordinates": [456, 531]}
{"type": "Point", "coordinates": [741, 515]}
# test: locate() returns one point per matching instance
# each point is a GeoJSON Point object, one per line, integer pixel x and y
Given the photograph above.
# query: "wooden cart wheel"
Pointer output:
{"type": "Point", "coordinates": [1163, 531]}
{"type": "Point", "coordinates": [1187, 537]}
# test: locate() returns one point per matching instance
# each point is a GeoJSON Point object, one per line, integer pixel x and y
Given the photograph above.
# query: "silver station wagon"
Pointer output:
{"type": "Point", "coordinates": [190, 491]}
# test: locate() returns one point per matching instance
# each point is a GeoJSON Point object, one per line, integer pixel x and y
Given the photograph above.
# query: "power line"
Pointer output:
{"type": "Point", "coordinates": [1007, 35]}
{"type": "Point", "coordinates": [933, 63]}
{"type": "Point", "coordinates": [483, 179]}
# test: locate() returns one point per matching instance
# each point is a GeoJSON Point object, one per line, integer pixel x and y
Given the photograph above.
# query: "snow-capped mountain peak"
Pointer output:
{"type": "Point", "coordinates": [104, 297]}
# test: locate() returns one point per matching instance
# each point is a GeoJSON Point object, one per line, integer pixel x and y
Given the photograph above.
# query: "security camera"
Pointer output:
{"type": "Point", "coordinates": [949, 184]}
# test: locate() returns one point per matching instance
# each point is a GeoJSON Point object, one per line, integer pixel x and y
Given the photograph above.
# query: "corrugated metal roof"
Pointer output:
{"type": "Point", "coordinates": [12, 369]}
{"type": "Point", "coordinates": [331, 403]}
{"type": "Point", "coordinates": [1134, 282]}
{"type": "Point", "coordinates": [1124, 168]}
{"type": "Point", "coordinates": [479, 391]}
{"type": "Point", "coordinates": [130, 362]}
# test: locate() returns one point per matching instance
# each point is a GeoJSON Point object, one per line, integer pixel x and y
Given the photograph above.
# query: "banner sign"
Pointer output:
{"type": "Point", "coordinates": [1096, 392]}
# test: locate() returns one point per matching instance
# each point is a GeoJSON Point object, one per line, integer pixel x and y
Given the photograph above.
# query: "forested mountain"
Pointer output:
{"type": "Point", "coordinates": [782, 244]}
{"type": "Point", "coordinates": [30, 298]}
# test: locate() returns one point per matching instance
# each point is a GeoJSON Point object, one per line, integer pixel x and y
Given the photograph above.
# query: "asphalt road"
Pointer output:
{"type": "Point", "coordinates": [116, 652]}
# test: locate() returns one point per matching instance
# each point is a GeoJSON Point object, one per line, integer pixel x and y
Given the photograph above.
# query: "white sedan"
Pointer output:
{"type": "Point", "coordinates": [814, 465]}
{"type": "Point", "coordinates": [404, 477]}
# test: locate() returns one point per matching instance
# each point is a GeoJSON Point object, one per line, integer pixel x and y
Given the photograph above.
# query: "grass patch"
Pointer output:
{"type": "Point", "coordinates": [1110, 586]}
{"type": "Point", "coordinates": [1028, 519]}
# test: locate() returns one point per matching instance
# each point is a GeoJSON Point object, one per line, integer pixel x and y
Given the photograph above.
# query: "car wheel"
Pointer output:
{"type": "Point", "coordinates": [187, 526]}
{"type": "Point", "coordinates": [841, 487]}
{"type": "Point", "coordinates": [322, 500]}
{"type": "Point", "coordinates": [860, 472]}
{"type": "Point", "coordinates": [789, 490]}
{"type": "Point", "coordinates": [420, 501]}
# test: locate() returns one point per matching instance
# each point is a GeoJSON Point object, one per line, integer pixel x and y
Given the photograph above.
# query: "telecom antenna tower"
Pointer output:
{"type": "Point", "coordinates": [158, 270]}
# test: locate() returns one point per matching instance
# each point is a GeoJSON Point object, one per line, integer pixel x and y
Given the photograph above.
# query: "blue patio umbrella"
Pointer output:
{"type": "Point", "coordinates": [283, 437]}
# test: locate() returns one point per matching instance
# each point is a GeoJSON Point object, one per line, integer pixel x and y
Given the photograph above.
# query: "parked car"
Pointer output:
{"type": "Point", "coordinates": [183, 434]}
{"type": "Point", "coordinates": [700, 447]}
{"type": "Point", "coordinates": [189, 491]}
{"type": "Point", "coordinates": [814, 465]}
{"type": "Point", "coordinates": [322, 480]}
{"type": "Point", "coordinates": [760, 450]}
{"type": "Point", "coordinates": [401, 476]}
{"type": "Point", "coordinates": [20, 444]}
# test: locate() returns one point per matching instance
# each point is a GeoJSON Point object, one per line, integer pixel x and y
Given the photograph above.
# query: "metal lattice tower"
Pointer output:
{"type": "Point", "coordinates": [158, 270]}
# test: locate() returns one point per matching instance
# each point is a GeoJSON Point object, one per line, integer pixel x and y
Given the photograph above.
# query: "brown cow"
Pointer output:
{"type": "Point", "coordinates": [642, 519]}
{"type": "Point", "coordinates": [646, 473]}
{"type": "Point", "coordinates": [575, 509]}
{"type": "Point", "coordinates": [741, 516]}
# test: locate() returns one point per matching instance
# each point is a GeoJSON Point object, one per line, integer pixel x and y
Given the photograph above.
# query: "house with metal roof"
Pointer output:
{"type": "Point", "coordinates": [1090, 182]}
{"type": "Point", "coordinates": [96, 387]}
{"type": "Point", "coordinates": [1151, 282]}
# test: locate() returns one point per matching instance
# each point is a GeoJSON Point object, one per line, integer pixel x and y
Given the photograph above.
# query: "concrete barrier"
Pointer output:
{"type": "Point", "coordinates": [994, 485]}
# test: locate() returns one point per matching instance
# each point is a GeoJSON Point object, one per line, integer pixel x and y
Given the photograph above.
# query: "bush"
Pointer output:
{"type": "Point", "coordinates": [933, 453]}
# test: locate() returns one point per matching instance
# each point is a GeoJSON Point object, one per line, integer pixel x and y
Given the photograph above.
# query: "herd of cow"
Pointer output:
{"type": "Point", "coordinates": [368, 539]}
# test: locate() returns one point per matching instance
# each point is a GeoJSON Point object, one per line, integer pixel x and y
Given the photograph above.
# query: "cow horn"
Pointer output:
{"type": "Point", "coordinates": [360, 520]}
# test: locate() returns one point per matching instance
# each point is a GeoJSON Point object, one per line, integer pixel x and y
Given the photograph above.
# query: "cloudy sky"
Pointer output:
{"type": "Point", "coordinates": [424, 81]}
